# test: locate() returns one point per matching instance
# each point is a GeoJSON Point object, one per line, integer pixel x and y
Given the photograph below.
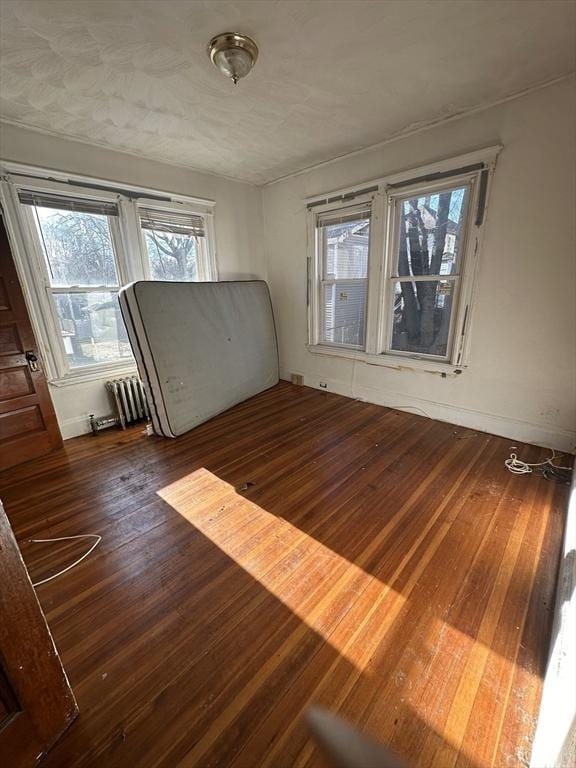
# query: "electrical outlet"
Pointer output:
{"type": "Point", "coordinates": [323, 385]}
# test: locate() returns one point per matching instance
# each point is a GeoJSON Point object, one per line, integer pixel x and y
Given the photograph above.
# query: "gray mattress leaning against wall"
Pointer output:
{"type": "Point", "coordinates": [200, 347]}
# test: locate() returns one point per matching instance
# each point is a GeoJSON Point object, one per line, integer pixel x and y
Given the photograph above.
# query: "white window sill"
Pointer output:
{"type": "Point", "coordinates": [396, 362]}
{"type": "Point", "coordinates": [94, 373]}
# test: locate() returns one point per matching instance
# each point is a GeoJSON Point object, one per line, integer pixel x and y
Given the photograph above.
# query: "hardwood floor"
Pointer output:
{"type": "Point", "coordinates": [300, 548]}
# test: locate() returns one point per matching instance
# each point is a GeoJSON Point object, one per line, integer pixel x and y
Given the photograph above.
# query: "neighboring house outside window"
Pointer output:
{"type": "Point", "coordinates": [344, 244]}
{"type": "Point", "coordinates": [392, 265]}
{"type": "Point", "coordinates": [77, 246]}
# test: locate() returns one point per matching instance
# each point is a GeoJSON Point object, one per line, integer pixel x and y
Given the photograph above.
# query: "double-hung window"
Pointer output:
{"type": "Point", "coordinates": [175, 244]}
{"type": "Point", "coordinates": [343, 243]}
{"type": "Point", "coordinates": [79, 244]}
{"type": "Point", "coordinates": [76, 245]}
{"type": "Point", "coordinates": [392, 264]}
{"type": "Point", "coordinates": [429, 226]}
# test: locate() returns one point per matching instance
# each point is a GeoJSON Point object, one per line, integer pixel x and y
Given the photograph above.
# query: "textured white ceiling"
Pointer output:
{"type": "Point", "coordinates": [333, 75]}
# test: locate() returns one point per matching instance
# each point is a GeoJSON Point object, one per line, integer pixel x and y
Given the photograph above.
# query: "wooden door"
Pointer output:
{"type": "Point", "coordinates": [28, 426]}
{"type": "Point", "coordinates": [36, 701]}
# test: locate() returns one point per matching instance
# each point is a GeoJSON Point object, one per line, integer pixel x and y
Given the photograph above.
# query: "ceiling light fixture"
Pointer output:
{"type": "Point", "coordinates": [234, 54]}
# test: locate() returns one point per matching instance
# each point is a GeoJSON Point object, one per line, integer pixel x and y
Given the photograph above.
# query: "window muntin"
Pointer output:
{"type": "Point", "coordinates": [344, 245]}
{"type": "Point", "coordinates": [426, 269]}
{"type": "Point", "coordinates": [80, 259]}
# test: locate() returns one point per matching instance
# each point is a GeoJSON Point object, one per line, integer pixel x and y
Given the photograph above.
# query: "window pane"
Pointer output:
{"type": "Point", "coordinates": [92, 328]}
{"type": "Point", "coordinates": [345, 312]}
{"type": "Point", "coordinates": [345, 250]}
{"type": "Point", "coordinates": [78, 247]}
{"type": "Point", "coordinates": [431, 232]}
{"type": "Point", "coordinates": [172, 256]}
{"type": "Point", "coordinates": [422, 312]}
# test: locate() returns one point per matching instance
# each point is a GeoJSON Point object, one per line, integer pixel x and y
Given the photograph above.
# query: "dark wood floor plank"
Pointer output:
{"type": "Point", "coordinates": [298, 548]}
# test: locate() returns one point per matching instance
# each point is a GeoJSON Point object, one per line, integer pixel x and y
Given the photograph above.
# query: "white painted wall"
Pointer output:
{"type": "Point", "coordinates": [521, 381]}
{"type": "Point", "coordinates": [237, 219]}
{"type": "Point", "coordinates": [522, 376]}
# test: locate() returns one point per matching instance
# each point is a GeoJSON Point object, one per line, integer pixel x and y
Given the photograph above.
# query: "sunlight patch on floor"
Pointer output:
{"type": "Point", "coordinates": [478, 673]}
{"type": "Point", "coordinates": [316, 583]}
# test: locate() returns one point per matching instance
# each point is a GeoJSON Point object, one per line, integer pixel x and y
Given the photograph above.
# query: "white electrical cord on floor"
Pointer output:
{"type": "Point", "coordinates": [76, 562]}
{"type": "Point", "coordinates": [519, 467]}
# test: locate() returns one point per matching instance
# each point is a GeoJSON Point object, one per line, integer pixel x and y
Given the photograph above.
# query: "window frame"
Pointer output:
{"type": "Point", "coordinates": [322, 280]}
{"type": "Point", "coordinates": [206, 263]}
{"type": "Point", "coordinates": [49, 291]}
{"type": "Point", "coordinates": [385, 194]}
{"type": "Point", "coordinates": [130, 254]}
{"type": "Point", "coordinates": [470, 181]}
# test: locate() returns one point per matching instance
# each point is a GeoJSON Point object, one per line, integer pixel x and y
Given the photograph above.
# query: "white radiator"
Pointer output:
{"type": "Point", "coordinates": [129, 400]}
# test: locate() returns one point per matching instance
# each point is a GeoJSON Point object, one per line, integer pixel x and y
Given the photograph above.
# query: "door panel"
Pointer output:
{"type": "Point", "coordinates": [8, 701]}
{"type": "Point", "coordinates": [24, 421]}
{"type": "Point", "coordinates": [10, 343]}
{"type": "Point", "coordinates": [28, 426]}
{"type": "Point", "coordinates": [36, 701]}
{"type": "Point", "coordinates": [15, 381]}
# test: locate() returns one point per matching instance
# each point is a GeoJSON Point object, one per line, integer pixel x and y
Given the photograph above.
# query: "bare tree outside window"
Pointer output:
{"type": "Point", "coordinates": [431, 229]}
{"type": "Point", "coordinates": [78, 247]}
{"type": "Point", "coordinates": [172, 256]}
{"type": "Point", "coordinates": [79, 254]}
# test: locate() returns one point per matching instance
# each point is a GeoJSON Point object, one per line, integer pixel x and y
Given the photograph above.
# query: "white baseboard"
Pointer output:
{"type": "Point", "coordinates": [514, 429]}
{"type": "Point", "coordinates": [78, 425]}
{"type": "Point", "coordinates": [503, 426]}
